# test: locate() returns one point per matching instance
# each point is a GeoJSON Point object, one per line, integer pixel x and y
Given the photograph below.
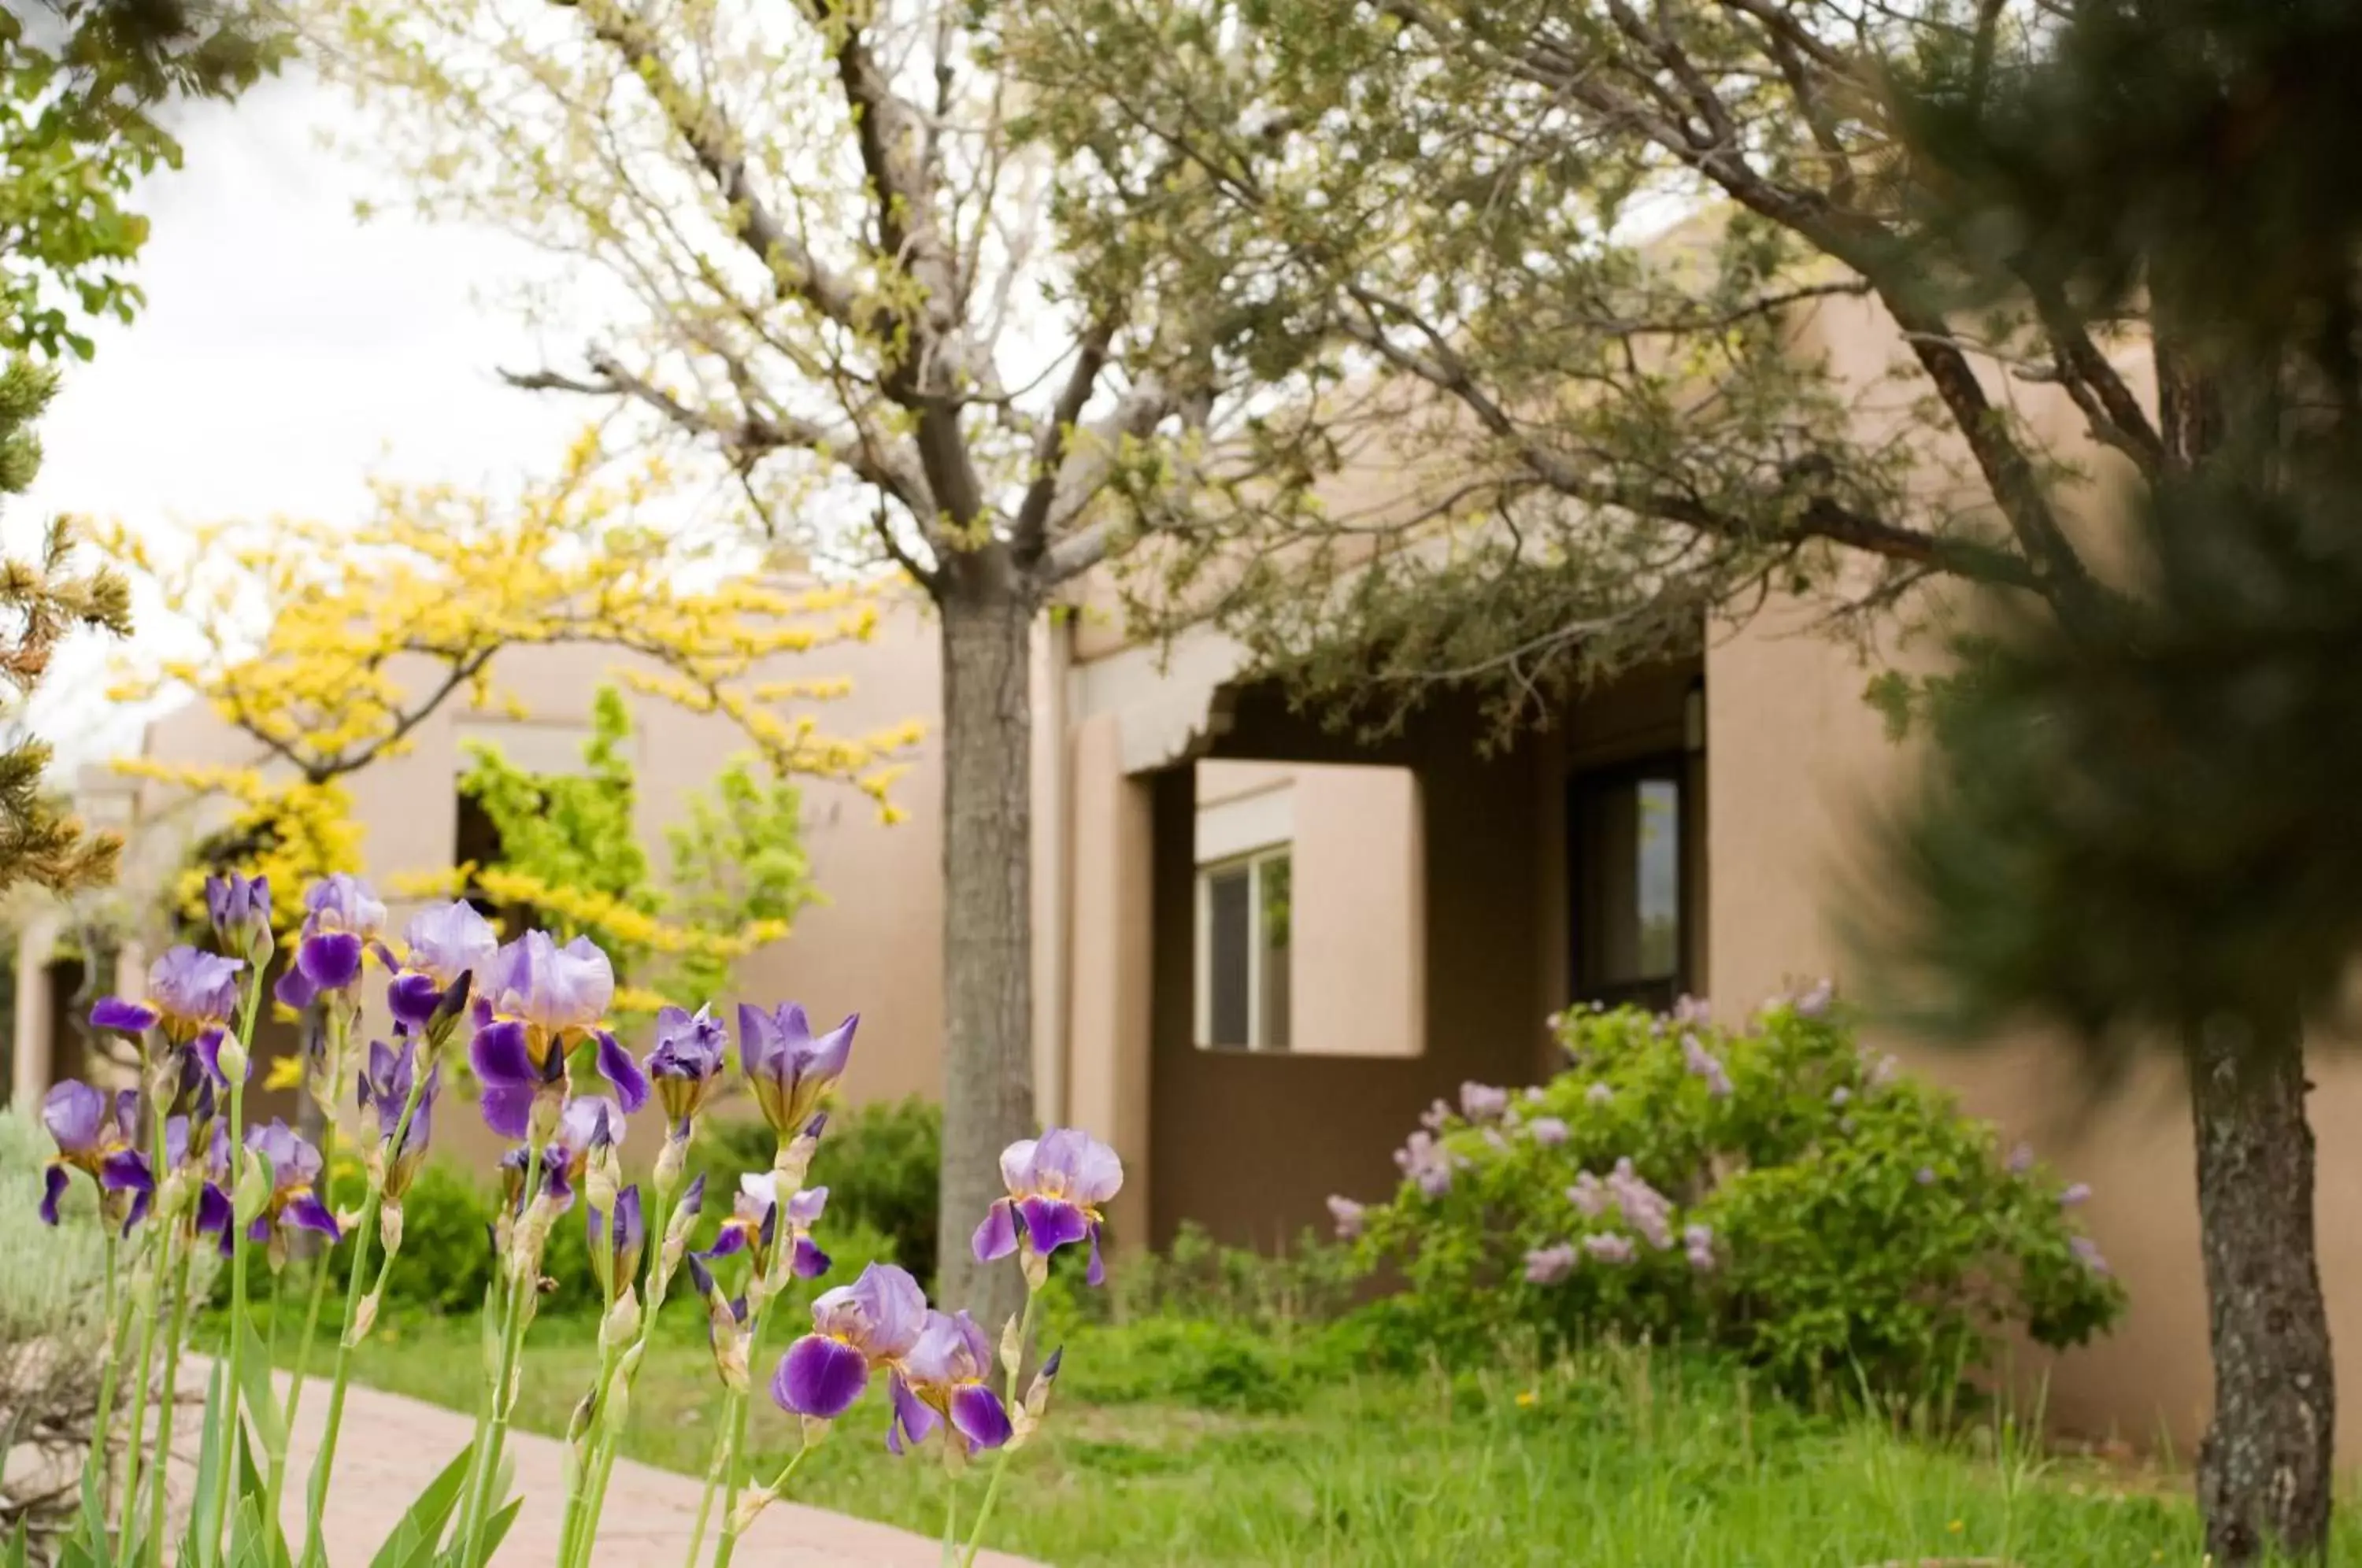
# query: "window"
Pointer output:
{"type": "Point", "coordinates": [1242, 953]}
{"type": "Point", "coordinates": [1625, 840]}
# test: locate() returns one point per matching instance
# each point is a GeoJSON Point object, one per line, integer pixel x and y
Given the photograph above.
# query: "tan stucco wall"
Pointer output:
{"type": "Point", "coordinates": [1801, 764]}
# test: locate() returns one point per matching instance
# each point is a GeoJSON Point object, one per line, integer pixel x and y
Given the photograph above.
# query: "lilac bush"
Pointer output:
{"type": "Point", "coordinates": [178, 1172]}
{"type": "Point", "coordinates": [1775, 1190]}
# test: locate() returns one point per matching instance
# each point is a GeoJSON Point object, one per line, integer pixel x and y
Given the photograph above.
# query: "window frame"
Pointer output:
{"type": "Point", "coordinates": [1581, 783]}
{"type": "Point", "coordinates": [1202, 958]}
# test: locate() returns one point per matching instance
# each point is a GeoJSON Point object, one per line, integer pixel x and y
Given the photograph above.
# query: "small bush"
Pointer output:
{"type": "Point", "coordinates": [1774, 1192]}
{"type": "Point", "coordinates": [882, 1164]}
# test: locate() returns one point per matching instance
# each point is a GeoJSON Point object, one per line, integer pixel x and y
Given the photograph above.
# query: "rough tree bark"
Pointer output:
{"type": "Point", "coordinates": [988, 615]}
{"type": "Point", "coordinates": [2265, 1469]}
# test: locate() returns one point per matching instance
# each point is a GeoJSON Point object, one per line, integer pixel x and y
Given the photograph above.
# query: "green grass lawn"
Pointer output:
{"type": "Point", "coordinates": [1188, 1443]}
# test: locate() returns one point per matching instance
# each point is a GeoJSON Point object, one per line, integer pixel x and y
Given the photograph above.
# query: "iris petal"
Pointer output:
{"type": "Point", "coordinates": [412, 998]}
{"type": "Point", "coordinates": [997, 1237]}
{"type": "Point", "coordinates": [508, 1109]}
{"type": "Point", "coordinates": [820, 1376]}
{"type": "Point", "coordinates": [53, 1187]}
{"type": "Point", "coordinates": [1051, 1224]}
{"type": "Point", "coordinates": [307, 1212]}
{"type": "Point", "coordinates": [129, 1017]}
{"type": "Point", "coordinates": [615, 1064]}
{"type": "Point", "coordinates": [978, 1414]}
{"type": "Point", "coordinates": [500, 1056]}
{"type": "Point", "coordinates": [331, 960]}
{"type": "Point", "coordinates": [808, 1262]}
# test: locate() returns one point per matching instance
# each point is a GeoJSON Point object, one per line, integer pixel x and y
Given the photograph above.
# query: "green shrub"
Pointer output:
{"type": "Point", "coordinates": [881, 1163]}
{"type": "Point", "coordinates": [1774, 1192]}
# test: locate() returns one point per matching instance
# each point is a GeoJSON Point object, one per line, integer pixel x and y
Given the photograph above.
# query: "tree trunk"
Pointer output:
{"type": "Point", "coordinates": [2264, 1471]}
{"type": "Point", "coordinates": [988, 926]}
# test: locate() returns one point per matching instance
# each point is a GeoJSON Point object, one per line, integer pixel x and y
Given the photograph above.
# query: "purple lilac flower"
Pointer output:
{"type": "Point", "coordinates": [294, 1175]}
{"type": "Point", "coordinates": [1883, 1071]}
{"type": "Point", "coordinates": [2075, 1196]}
{"type": "Point", "coordinates": [686, 1065]}
{"type": "Point", "coordinates": [617, 1243]}
{"type": "Point", "coordinates": [1546, 1130]}
{"type": "Point", "coordinates": [1424, 1160]}
{"type": "Point", "coordinates": [1814, 1003]}
{"type": "Point", "coordinates": [1433, 1118]}
{"type": "Point", "coordinates": [239, 909]}
{"type": "Point", "coordinates": [1609, 1248]}
{"type": "Point", "coordinates": [790, 1069]}
{"type": "Point", "coordinates": [2087, 1253]}
{"type": "Point", "coordinates": [1840, 1096]}
{"type": "Point", "coordinates": [1706, 1065]}
{"type": "Point", "coordinates": [1598, 1094]}
{"type": "Point", "coordinates": [439, 946]}
{"type": "Point", "coordinates": [942, 1381]}
{"type": "Point", "coordinates": [537, 1000]}
{"type": "Point", "coordinates": [1589, 1195]}
{"type": "Point", "coordinates": [94, 1133]}
{"type": "Point", "coordinates": [1924, 1176]}
{"type": "Point", "coordinates": [385, 1085]}
{"type": "Point", "coordinates": [1697, 1244]}
{"type": "Point", "coordinates": [1645, 1208]}
{"type": "Point", "coordinates": [1547, 1265]}
{"type": "Point", "coordinates": [875, 1322]}
{"type": "Point", "coordinates": [1059, 1184]}
{"type": "Point", "coordinates": [1693, 1011]}
{"type": "Point", "coordinates": [1483, 1102]}
{"type": "Point", "coordinates": [2021, 1159]}
{"type": "Point", "coordinates": [1349, 1216]}
{"type": "Point", "coordinates": [1536, 1093]}
{"type": "Point", "coordinates": [1494, 1141]}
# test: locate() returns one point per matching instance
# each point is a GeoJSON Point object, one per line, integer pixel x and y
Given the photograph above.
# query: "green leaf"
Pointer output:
{"type": "Point", "coordinates": [253, 1536]}
{"type": "Point", "coordinates": [17, 1549]}
{"type": "Point", "coordinates": [498, 1528]}
{"type": "Point", "coordinates": [200, 1547]}
{"type": "Point", "coordinates": [411, 1543]}
{"type": "Point", "coordinates": [260, 1402]}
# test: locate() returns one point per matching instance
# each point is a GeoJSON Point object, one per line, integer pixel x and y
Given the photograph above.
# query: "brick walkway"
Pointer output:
{"type": "Point", "coordinates": [393, 1446]}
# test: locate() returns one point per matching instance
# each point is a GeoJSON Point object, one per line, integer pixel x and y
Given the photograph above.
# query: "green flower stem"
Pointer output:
{"type": "Point", "coordinates": [1000, 1461]}
{"type": "Point", "coordinates": [585, 1459]}
{"type": "Point", "coordinates": [732, 1440]}
{"type": "Point", "coordinates": [722, 1451]}
{"type": "Point", "coordinates": [320, 1271]}
{"type": "Point", "coordinates": [514, 1319]}
{"type": "Point", "coordinates": [118, 1319]}
{"type": "Point", "coordinates": [731, 1527]}
{"type": "Point", "coordinates": [774, 1282]}
{"type": "Point", "coordinates": [176, 1329]}
{"type": "Point", "coordinates": [315, 1496]}
{"type": "Point", "coordinates": [607, 1443]}
{"type": "Point", "coordinates": [237, 1309]}
{"type": "Point", "coordinates": [144, 1294]}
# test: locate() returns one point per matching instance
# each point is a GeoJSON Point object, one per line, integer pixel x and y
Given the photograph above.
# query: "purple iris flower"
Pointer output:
{"type": "Point", "coordinates": [587, 1125]}
{"type": "Point", "coordinates": [1547, 1265]}
{"type": "Point", "coordinates": [942, 1379]}
{"type": "Point", "coordinates": [754, 1226]}
{"type": "Point", "coordinates": [1059, 1184]}
{"type": "Point", "coordinates": [788, 1068]}
{"type": "Point", "coordinates": [294, 1177]}
{"type": "Point", "coordinates": [535, 1003]}
{"type": "Point", "coordinates": [192, 994]}
{"type": "Point", "coordinates": [341, 918]}
{"type": "Point", "coordinates": [440, 946]}
{"type": "Point", "coordinates": [239, 908]}
{"type": "Point", "coordinates": [686, 1065]}
{"type": "Point", "coordinates": [210, 1160]}
{"type": "Point", "coordinates": [617, 1243]}
{"type": "Point", "coordinates": [875, 1322]}
{"type": "Point", "coordinates": [94, 1133]}
{"type": "Point", "coordinates": [385, 1085]}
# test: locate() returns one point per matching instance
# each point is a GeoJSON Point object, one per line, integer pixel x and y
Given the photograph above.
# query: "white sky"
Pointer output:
{"type": "Point", "coordinates": [288, 351]}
